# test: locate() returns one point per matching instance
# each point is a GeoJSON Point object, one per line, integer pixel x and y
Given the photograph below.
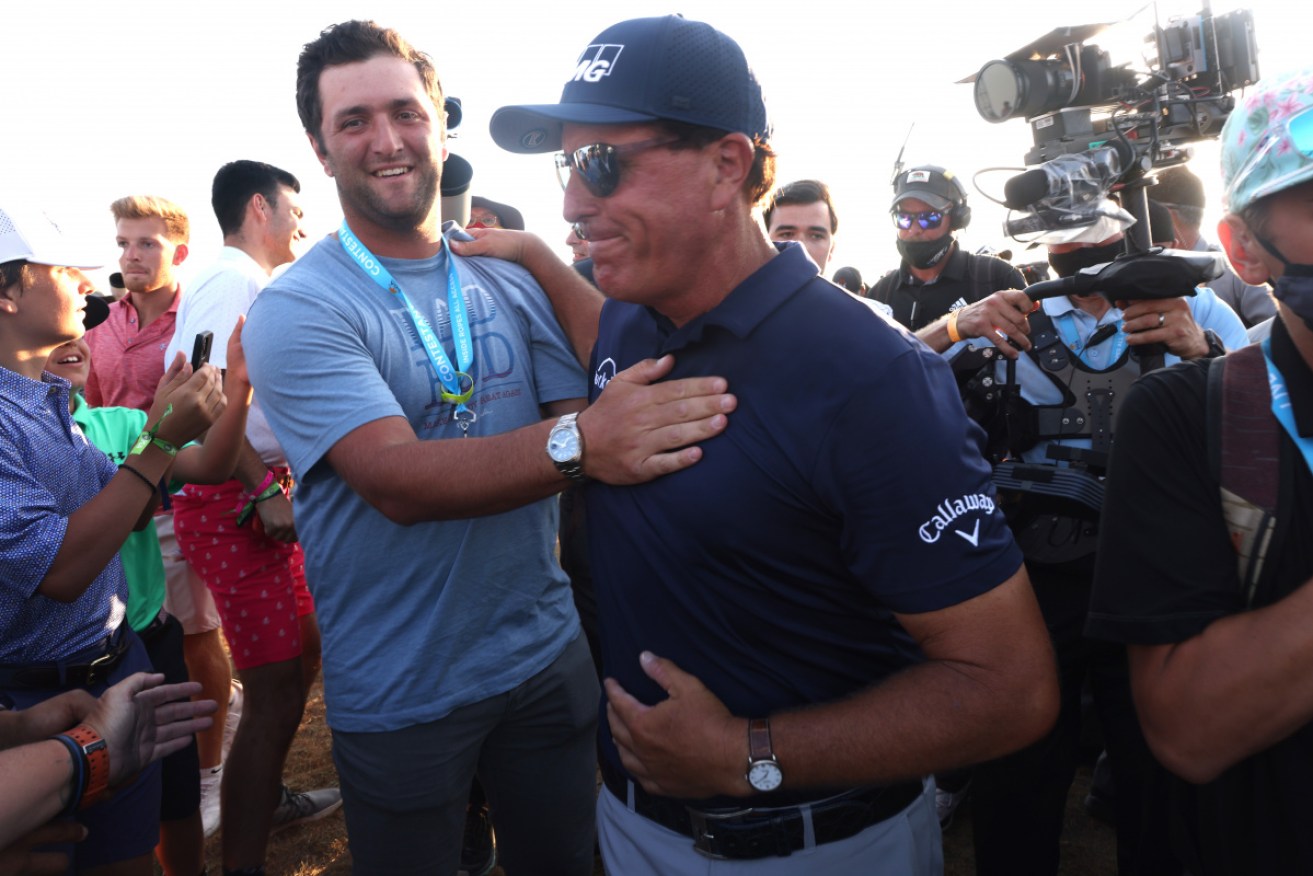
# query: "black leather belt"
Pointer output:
{"type": "Point", "coordinates": [91, 668]}
{"type": "Point", "coordinates": [744, 834]}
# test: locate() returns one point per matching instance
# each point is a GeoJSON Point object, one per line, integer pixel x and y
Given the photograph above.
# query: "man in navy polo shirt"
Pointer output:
{"type": "Point", "coordinates": [828, 607]}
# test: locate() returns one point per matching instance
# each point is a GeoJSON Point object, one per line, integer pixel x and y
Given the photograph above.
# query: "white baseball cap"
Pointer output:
{"type": "Point", "coordinates": [30, 235]}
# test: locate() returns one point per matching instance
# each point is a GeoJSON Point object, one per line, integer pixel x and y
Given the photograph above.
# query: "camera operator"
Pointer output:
{"type": "Point", "coordinates": [1075, 357]}
{"type": "Point", "coordinates": [936, 275]}
{"type": "Point", "coordinates": [1220, 656]}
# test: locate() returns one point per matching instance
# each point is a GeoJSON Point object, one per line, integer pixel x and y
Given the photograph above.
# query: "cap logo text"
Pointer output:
{"type": "Point", "coordinates": [595, 62]}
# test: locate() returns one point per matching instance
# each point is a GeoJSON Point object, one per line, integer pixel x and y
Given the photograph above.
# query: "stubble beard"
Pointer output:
{"type": "Point", "coordinates": [418, 215]}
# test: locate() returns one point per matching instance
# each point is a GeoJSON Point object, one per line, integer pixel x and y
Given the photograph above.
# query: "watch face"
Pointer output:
{"type": "Point", "coordinates": [765, 775]}
{"type": "Point", "coordinates": [563, 445]}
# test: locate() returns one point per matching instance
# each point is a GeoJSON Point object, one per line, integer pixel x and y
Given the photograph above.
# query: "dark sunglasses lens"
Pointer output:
{"type": "Point", "coordinates": [927, 220]}
{"type": "Point", "coordinates": [597, 165]}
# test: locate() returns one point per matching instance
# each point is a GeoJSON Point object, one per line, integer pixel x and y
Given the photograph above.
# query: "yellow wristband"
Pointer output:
{"type": "Point", "coordinates": [952, 327]}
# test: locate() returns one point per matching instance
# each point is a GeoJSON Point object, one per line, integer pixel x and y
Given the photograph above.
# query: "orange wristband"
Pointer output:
{"type": "Point", "coordinates": [952, 327]}
{"type": "Point", "coordinates": [95, 754]}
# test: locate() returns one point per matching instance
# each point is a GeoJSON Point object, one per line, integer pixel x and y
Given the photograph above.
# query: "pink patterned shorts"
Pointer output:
{"type": "Point", "coordinates": [258, 583]}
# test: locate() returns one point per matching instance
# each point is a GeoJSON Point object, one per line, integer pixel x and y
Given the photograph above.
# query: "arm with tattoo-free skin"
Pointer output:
{"type": "Point", "coordinates": [988, 686]}
{"type": "Point", "coordinates": [96, 530]}
{"type": "Point", "coordinates": [141, 720]}
{"type": "Point", "coordinates": [214, 461]}
{"type": "Point", "coordinates": [576, 302]}
{"type": "Point", "coordinates": [996, 317]}
{"type": "Point", "coordinates": [637, 430]}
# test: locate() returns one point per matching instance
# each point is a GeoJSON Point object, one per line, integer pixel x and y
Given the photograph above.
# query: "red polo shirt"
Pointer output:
{"type": "Point", "coordinates": [127, 361]}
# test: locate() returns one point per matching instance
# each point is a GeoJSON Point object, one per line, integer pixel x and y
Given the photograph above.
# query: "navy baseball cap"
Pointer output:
{"type": "Point", "coordinates": [644, 70]}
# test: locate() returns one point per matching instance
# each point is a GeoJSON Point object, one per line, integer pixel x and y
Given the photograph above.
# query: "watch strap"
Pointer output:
{"type": "Point", "coordinates": [1215, 346]}
{"type": "Point", "coordinates": [572, 469]}
{"type": "Point", "coordinates": [759, 744]}
{"type": "Point", "coordinates": [95, 763]}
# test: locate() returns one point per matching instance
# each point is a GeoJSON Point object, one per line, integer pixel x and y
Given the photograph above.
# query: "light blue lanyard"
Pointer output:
{"type": "Point", "coordinates": [1066, 325]}
{"type": "Point", "coordinates": [1281, 407]}
{"type": "Point", "coordinates": [457, 383]}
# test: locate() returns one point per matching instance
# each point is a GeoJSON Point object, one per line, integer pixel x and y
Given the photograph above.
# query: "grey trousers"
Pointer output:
{"type": "Point", "coordinates": [906, 844]}
{"type": "Point", "coordinates": [534, 749]}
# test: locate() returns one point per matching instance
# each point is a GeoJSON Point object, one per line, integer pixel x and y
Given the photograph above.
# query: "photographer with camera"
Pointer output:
{"type": "Point", "coordinates": [936, 276]}
{"type": "Point", "coordinates": [1074, 358]}
{"type": "Point", "coordinates": [1214, 608]}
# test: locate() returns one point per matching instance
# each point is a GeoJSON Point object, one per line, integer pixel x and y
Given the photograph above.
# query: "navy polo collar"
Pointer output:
{"type": "Point", "coordinates": [749, 303]}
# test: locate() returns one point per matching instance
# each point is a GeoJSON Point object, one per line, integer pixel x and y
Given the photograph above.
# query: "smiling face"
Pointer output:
{"type": "Point", "coordinates": [147, 256]}
{"type": "Point", "coordinates": [643, 236]}
{"type": "Point", "coordinates": [71, 361]}
{"type": "Point", "coordinates": [284, 229]}
{"type": "Point", "coordinates": [383, 144]}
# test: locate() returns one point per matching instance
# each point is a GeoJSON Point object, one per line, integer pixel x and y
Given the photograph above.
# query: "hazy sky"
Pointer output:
{"type": "Point", "coordinates": [105, 99]}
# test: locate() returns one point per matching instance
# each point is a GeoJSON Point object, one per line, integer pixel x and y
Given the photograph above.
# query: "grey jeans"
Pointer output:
{"type": "Point", "coordinates": [534, 749]}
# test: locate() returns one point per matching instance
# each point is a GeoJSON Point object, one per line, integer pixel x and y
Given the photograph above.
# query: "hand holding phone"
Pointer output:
{"type": "Point", "coordinates": [200, 351]}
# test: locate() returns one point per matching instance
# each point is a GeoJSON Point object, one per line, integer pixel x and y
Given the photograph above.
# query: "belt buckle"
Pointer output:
{"type": "Point", "coordinates": [704, 836]}
{"type": "Point", "coordinates": [105, 661]}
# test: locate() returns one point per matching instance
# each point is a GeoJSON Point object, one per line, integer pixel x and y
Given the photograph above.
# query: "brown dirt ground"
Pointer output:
{"type": "Point", "coordinates": [320, 848]}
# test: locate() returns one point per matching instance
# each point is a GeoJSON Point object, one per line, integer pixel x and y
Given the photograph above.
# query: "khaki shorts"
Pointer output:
{"type": "Point", "coordinates": [185, 596]}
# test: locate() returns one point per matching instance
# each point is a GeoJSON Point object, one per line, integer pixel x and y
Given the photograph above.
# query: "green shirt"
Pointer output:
{"type": "Point", "coordinates": [113, 431]}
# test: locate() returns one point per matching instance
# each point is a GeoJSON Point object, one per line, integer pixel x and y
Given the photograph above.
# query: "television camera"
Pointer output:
{"type": "Point", "coordinates": [1099, 128]}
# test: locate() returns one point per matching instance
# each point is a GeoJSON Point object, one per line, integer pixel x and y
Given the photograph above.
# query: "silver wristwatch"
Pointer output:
{"type": "Point", "coordinates": [565, 446]}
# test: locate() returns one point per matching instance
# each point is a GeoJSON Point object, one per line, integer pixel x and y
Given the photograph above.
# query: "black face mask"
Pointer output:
{"type": "Point", "coordinates": [925, 253]}
{"type": "Point", "coordinates": [1065, 264]}
{"type": "Point", "coordinates": [1294, 288]}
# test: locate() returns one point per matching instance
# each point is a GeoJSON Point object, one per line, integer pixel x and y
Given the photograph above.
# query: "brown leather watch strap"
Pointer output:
{"type": "Point", "coordinates": [759, 745]}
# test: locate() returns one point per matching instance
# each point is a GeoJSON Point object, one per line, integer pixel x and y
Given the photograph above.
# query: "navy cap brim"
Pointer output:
{"type": "Point", "coordinates": [537, 128]}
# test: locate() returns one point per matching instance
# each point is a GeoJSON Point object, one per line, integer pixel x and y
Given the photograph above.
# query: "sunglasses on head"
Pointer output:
{"type": "Point", "coordinates": [927, 219]}
{"type": "Point", "coordinates": [598, 164]}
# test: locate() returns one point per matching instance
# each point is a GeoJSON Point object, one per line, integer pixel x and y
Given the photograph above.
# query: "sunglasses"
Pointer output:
{"type": "Point", "coordinates": [598, 164]}
{"type": "Point", "coordinates": [1294, 133]}
{"type": "Point", "coordinates": [927, 219]}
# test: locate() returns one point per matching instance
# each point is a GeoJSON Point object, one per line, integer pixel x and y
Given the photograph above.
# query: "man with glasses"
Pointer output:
{"type": "Point", "coordinates": [414, 393]}
{"type": "Point", "coordinates": [1216, 614]}
{"type": "Point", "coordinates": [936, 276]}
{"type": "Point", "coordinates": [486, 213]}
{"type": "Point", "coordinates": [800, 629]}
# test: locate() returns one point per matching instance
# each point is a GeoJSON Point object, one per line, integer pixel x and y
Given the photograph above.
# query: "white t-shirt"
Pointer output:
{"type": "Point", "coordinates": [218, 295]}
